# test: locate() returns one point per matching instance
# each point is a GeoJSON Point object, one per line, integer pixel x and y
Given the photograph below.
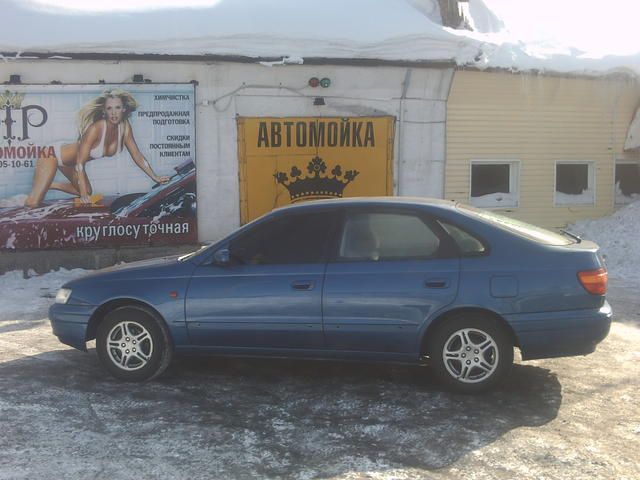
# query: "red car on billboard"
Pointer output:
{"type": "Point", "coordinates": [166, 215]}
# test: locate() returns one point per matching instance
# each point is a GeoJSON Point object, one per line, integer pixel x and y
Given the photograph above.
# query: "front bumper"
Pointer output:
{"type": "Point", "coordinates": [69, 323]}
{"type": "Point", "coordinates": [560, 334]}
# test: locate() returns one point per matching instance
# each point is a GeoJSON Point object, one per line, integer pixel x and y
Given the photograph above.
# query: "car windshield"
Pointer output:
{"type": "Point", "coordinates": [526, 230]}
{"type": "Point", "coordinates": [126, 210]}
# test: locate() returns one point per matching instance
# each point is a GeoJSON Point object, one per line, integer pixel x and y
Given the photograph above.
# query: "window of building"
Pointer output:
{"type": "Point", "coordinates": [494, 184]}
{"type": "Point", "coordinates": [575, 183]}
{"type": "Point", "coordinates": [627, 182]}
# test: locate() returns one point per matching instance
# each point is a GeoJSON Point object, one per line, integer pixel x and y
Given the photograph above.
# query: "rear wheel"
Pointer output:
{"type": "Point", "coordinates": [132, 345]}
{"type": "Point", "coordinates": [471, 353]}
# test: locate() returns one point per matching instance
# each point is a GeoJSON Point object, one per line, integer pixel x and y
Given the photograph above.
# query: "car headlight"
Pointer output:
{"type": "Point", "coordinates": [63, 295]}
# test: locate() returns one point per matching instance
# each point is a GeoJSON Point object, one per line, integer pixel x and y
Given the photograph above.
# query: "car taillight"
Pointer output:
{"type": "Point", "coordinates": [594, 281]}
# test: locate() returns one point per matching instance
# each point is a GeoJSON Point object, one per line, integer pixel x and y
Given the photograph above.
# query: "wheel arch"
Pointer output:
{"type": "Point", "coordinates": [440, 319]}
{"type": "Point", "coordinates": [103, 310]}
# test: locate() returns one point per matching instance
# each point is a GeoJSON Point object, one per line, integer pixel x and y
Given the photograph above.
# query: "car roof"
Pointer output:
{"type": "Point", "coordinates": [371, 201]}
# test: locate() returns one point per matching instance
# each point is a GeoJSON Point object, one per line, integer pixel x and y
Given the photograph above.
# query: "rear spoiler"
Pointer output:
{"type": "Point", "coordinates": [572, 235]}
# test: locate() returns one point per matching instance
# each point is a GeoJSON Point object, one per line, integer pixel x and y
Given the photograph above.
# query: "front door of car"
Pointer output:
{"type": "Point", "coordinates": [392, 269]}
{"type": "Point", "coordinates": [270, 293]}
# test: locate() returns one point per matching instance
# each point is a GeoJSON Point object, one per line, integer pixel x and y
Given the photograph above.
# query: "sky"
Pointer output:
{"type": "Point", "coordinates": [584, 24]}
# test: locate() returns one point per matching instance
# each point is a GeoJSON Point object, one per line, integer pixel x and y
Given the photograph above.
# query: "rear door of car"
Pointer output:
{"type": "Point", "coordinates": [270, 295]}
{"type": "Point", "coordinates": [392, 268]}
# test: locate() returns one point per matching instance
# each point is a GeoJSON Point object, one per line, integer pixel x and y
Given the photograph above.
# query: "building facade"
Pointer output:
{"type": "Point", "coordinates": [409, 104]}
{"type": "Point", "coordinates": [545, 149]}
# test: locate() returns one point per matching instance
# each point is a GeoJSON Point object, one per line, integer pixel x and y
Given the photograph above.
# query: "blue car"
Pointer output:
{"type": "Point", "coordinates": [384, 280]}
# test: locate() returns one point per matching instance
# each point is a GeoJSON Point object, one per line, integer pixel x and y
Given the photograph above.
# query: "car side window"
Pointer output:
{"type": "Point", "coordinates": [467, 243]}
{"type": "Point", "coordinates": [285, 240]}
{"type": "Point", "coordinates": [387, 236]}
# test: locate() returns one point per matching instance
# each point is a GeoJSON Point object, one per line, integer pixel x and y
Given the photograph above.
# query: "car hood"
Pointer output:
{"type": "Point", "coordinates": [140, 265]}
{"type": "Point", "coordinates": [143, 268]}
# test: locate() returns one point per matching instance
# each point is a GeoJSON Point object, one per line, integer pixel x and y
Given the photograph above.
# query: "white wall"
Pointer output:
{"type": "Point", "coordinates": [227, 90]}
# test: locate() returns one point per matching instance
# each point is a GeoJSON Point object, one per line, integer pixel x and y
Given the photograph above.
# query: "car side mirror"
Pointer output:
{"type": "Point", "coordinates": [222, 257]}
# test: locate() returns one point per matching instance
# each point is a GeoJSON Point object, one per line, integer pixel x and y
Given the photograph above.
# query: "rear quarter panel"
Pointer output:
{"type": "Point", "coordinates": [518, 275]}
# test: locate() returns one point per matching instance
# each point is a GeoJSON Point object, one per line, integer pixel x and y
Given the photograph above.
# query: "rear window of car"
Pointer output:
{"type": "Point", "coordinates": [467, 243]}
{"type": "Point", "coordinates": [537, 234]}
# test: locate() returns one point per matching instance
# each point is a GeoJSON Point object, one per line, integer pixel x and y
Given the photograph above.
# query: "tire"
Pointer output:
{"type": "Point", "coordinates": [470, 353]}
{"type": "Point", "coordinates": [133, 345]}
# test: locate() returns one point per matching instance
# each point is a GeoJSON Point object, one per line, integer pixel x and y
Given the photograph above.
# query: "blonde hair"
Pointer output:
{"type": "Point", "coordinates": [93, 110]}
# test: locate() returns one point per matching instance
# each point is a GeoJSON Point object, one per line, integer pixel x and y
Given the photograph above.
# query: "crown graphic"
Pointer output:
{"type": "Point", "coordinates": [12, 100]}
{"type": "Point", "coordinates": [316, 184]}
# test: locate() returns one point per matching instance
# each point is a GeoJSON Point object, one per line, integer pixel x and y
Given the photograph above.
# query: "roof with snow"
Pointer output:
{"type": "Point", "coordinates": [297, 30]}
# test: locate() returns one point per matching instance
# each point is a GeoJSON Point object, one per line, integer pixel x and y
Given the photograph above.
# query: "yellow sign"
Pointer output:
{"type": "Point", "coordinates": [288, 160]}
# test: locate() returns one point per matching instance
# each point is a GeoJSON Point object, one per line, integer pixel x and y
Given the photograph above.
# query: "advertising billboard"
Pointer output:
{"type": "Point", "coordinates": [292, 159]}
{"type": "Point", "coordinates": [97, 165]}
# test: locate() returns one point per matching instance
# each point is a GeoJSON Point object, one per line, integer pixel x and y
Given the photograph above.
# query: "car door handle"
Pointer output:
{"type": "Point", "coordinates": [436, 283]}
{"type": "Point", "coordinates": [302, 285]}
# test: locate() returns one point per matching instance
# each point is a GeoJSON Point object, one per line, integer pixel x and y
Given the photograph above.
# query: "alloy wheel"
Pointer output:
{"type": "Point", "coordinates": [129, 345]}
{"type": "Point", "coordinates": [470, 355]}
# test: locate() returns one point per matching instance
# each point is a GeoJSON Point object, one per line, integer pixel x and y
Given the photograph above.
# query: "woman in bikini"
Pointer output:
{"type": "Point", "coordinates": [104, 128]}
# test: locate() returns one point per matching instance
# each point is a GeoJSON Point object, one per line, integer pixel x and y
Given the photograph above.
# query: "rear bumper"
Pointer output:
{"type": "Point", "coordinates": [69, 323]}
{"type": "Point", "coordinates": [560, 334]}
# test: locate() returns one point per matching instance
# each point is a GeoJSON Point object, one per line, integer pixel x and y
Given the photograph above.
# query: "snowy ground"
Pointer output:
{"type": "Point", "coordinates": [62, 416]}
{"type": "Point", "coordinates": [31, 294]}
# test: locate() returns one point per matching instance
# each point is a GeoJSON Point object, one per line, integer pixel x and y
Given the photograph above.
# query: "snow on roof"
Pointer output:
{"type": "Point", "coordinates": [391, 30]}
{"type": "Point", "coordinates": [378, 29]}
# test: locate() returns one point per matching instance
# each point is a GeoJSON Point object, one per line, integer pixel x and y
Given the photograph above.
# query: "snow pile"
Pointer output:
{"type": "Point", "coordinates": [622, 199]}
{"type": "Point", "coordinates": [570, 36]}
{"type": "Point", "coordinates": [29, 298]}
{"type": "Point", "coordinates": [586, 197]}
{"type": "Point", "coordinates": [406, 30]}
{"type": "Point", "coordinates": [497, 199]}
{"type": "Point", "coordinates": [482, 19]}
{"type": "Point", "coordinates": [616, 235]}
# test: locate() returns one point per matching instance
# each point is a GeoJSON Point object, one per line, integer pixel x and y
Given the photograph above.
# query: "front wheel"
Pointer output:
{"type": "Point", "coordinates": [132, 345]}
{"type": "Point", "coordinates": [470, 354]}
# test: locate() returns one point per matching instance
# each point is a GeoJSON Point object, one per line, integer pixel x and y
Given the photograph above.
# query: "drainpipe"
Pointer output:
{"type": "Point", "coordinates": [403, 96]}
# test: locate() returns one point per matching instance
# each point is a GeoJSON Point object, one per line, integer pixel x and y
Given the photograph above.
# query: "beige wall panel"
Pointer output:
{"type": "Point", "coordinates": [539, 120]}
